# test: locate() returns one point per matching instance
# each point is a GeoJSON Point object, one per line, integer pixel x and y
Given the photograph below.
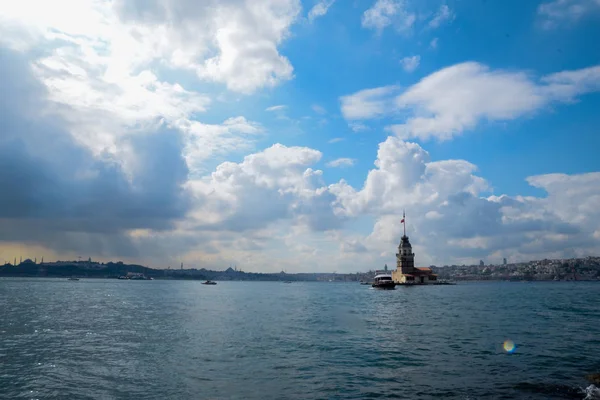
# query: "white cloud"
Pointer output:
{"type": "Point", "coordinates": [454, 99]}
{"type": "Point", "coordinates": [276, 108]}
{"type": "Point", "coordinates": [103, 109]}
{"type": "Point", "coordinates": [203, 141]}
{"type": "Point", "coordinates": [434, 43]}
{"type": "Point", "coordinates": [319, 9]}
{"type": "Point", "coordinates": [571, 197]}
{"type": "Point", "coordinates": [248, 57]}
{"type": "Point", "coordinates": [235, 193]}
{"type": "Point", "coordinates": [341, 163]}
{"type": "Point", "coordinates": [318, 109]}
{"type": "Point", "coordinates": [384, 13]}
{"type": "Point", "coordinates": [368, 103]}
{"type": "Point", "coordinates": [459, 97]}
{"type": "Point", "coordinates": [140, 154]}
{"type": "Point", "coordinates": [567, 85]}
{"type": "Point", "coordinates": [125, 37]}
{"type": "Point", "coordinates": [443, 15]}
{"type": "Point", "coordinates": [554, 13]}
{"type": "Point", "coordinates": [410, 63]}
{"type": "Point", "coordinates": [405, 177]}
{"type": "Point", "coordinates": [449, 220]}
{"type": "Point", "coordinates": [104, 63]}
{"type": "Point", "coordinates": [336, 140]}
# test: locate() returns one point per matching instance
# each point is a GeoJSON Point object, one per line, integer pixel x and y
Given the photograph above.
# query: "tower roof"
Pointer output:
{"type": "Point", "coordinates": [404, 242]}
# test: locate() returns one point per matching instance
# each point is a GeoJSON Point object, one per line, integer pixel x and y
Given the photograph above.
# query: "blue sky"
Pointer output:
{"type": "Point", "coordinates": [291, 134]}
{"type": "Point", "coordinates": [347, 58]}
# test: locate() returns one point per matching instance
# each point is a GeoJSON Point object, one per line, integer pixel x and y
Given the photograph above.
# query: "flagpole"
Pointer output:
{"type": "Point", "coordinates": [404, 221]}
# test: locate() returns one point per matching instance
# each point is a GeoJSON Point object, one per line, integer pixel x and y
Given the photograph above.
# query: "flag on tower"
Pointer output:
{"type": "Point", "coordinates": [402, 221]}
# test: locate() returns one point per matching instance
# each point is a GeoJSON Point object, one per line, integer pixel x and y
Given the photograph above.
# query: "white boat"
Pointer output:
{"type": "Point", "coordinates": [383, 281]}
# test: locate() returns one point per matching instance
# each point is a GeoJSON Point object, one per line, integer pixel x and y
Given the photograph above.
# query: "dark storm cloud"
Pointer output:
{"type": "Point", "coordinates": [51, 187]}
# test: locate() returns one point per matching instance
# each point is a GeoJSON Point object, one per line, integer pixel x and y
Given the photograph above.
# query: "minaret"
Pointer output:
{"type": "Point", "coordinates": [405, 258]}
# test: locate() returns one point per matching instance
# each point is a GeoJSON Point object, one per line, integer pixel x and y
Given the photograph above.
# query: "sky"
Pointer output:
{"type": "Point", "coordinates": [292, 135]}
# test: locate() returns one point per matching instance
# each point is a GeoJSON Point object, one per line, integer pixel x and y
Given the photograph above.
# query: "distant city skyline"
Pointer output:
{"type": "Point", "coordinates": [579, 269]}
{"type": "Point", "coordinates": [292, 134]}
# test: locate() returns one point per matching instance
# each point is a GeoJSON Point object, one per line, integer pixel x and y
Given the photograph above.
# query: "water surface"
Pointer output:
{"type": "Point", "coordinates": [105, 339]}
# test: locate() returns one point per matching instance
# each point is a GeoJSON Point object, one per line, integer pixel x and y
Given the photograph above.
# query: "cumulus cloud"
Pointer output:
{"type": "Point", "coordinates": [101, 154]}
{"type": "Point", "coordinates": [410, 64]}
{"type": "Point", "coordinates": [103, 62]}
{"type": "Point", "coordinates": [384, 13]}
{"type": "Point", "coordinates": [233, 42]}
{"type": "Point", "coordinates": [341, 162]}
{"type": "Point", "coordinates": [143, 202]}
{"type": "Point", "coordinates": [405, 176]}
{"type": "Point", "coordinates": [457, 98]}
{"type": "Point", "coordinates": [204, 141]}
{"type": "Point", "coordinates": [557, 12]}
{"type": "Point", "coordinates": [100, 106]}
{"type": "Point", "coordinates": [335, 140]}
{"type": "Point", "coordinates": [449, 216]}
{"type": "Point", "coordinates": [319, 9]}
{"type": "Point", "coordinates": [236, 192]}
{"type": "Point", "coordinates": [272, 205]}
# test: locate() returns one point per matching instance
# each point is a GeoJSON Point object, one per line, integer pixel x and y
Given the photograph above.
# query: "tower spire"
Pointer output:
{"type": "Point", "coordinates": [404, 221]}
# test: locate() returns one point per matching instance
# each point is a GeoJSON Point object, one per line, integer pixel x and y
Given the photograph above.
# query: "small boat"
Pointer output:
{"type": "Point", "coordinates": [383, 281]}
{"type": "Point", "coordinates": [73, 279]}
{"type": "Point", "coordinates": [364, 283]}
{"type": "Point", "coordinates": [209, 282]}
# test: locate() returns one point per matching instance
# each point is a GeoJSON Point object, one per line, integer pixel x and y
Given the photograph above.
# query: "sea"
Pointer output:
{"type": "Point", "coordinates": [121, 339]}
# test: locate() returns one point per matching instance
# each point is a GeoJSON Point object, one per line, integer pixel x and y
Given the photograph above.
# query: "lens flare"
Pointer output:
{"type": "Point", "coordinates": [509, 346]}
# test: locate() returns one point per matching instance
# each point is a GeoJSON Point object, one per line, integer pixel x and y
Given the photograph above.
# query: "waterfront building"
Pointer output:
{"type": "Point", "coordinates": [406, 272]}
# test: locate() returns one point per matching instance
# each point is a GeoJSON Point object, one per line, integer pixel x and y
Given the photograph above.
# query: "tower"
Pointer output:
{"type": "Point", "coordinates": [405, 258]}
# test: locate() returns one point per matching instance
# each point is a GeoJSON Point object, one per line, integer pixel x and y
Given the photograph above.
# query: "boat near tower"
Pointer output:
{"type": "Point", "coordinates": [383, 281]}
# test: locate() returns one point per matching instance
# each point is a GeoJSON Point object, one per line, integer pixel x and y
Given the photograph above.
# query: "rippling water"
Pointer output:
{"type": "Point", "coordinates": [252, 340]}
